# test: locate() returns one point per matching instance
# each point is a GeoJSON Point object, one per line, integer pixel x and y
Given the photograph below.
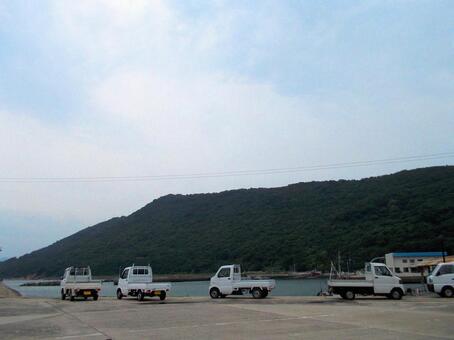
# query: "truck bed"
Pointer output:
{"type": "Point", "coordinates": [94, 284]}
{"type": "Point", "coordinates": [254, 283]}
{"type": "Point", "coordinates": [350, 283]}
{"type": "Point", "coordinates": [149, 286]}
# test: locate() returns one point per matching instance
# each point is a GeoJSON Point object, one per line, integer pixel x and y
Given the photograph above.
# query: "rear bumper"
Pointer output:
{"type": "Point", "coordinates": [152, 293]}
{"type": "Point", "coordinates": [86, 292]}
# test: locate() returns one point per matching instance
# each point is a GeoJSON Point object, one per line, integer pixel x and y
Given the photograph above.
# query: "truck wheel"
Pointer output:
{"type": "Point", "coordinates": [72, 297]}
{"type": "Point", "coordinates": [140, 295]}
{"type": "Point", "coordinates": [162, 296]}
{"type": "Point", "coordinates": [214, 293]}
{"type": "Point", "coordinates": [256, 293]}
{"type": "Point", "coordinates": [63, 295]}
{"type": "Point", "coordinates": [349, 295]}
{"type": "Point", "coordinates": [95, 297]}
{"type": "Point", "coordinates": [396, 294]}
{"type": "Point", "coordinates": [119, 294]}
{"type": "Point", "coordinates": [448, 292]}
{"type": "Point", "coordinates": [264, 293]}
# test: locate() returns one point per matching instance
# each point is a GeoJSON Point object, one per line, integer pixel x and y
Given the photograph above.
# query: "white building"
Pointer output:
{"type": "Point", "coordinates": [406, 264]}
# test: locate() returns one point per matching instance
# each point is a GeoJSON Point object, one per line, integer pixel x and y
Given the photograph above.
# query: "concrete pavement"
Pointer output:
{"type": "Point", "coordinates": [230, 318]}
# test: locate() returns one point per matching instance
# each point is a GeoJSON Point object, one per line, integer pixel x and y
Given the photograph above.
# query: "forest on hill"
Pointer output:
{"type": "Point", "coordinates": [301, 225]}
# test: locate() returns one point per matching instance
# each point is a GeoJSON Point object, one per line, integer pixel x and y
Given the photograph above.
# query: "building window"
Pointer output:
{"type": "Point", "coordinates": [405, 269]}
{"type": "Point", "coordinates": [419, 260]}
{"type": "Point", "coordinates": [414, 270]}
{"type": "Point", "coordinates": [412, 261]}
{"type": "Point", "coordinates": [404, 261]}
{"type": "Point", "coordinates": [397, 270]}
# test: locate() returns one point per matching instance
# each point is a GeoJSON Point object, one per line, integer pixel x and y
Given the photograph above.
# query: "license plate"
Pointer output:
{"type": "Point", "coordinates": [87, 292]}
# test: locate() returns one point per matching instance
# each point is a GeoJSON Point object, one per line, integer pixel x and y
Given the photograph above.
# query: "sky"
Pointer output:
{"type": "Point", "coordinates": [109, 88]}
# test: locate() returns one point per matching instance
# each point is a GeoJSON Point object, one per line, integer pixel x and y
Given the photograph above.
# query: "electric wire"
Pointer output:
{"type": "Point", "coordinates": [270, 171]}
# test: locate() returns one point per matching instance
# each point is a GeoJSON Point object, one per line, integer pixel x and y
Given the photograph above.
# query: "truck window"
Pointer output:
{"type": "Point", "coordinates": [236, 270]}
{"type": "Point", "coordinates": [446, 269]}
{"type": "Point", "coordinates": [125, 273]}
{"type": "Point", "coordinates": [382, 271]}
{"type": "Point", "coordinates": [81, 271]}
{"type": "Point", "coordinates": [225, 272]}
{"type": "Point", "coordinates": [140, 271]}
{"type": "Point", "coordinates": [72, 271]}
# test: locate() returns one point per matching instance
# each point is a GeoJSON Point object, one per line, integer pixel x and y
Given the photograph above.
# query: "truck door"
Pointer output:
{"type": "Point", "coordinates": [123, 282]}
{"type": "Point", "coordinates": [384, 281]}
{"type": "Point", "coordinates": [225, 280]}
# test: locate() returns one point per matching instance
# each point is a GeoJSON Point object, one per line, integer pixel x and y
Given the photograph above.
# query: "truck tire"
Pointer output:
{"type": "Point", "coordinates": [162, 296]}
{"type": "Point", "coordinates": [63, 295]}
{"type": "Point", "coordinates": [396, 294]}
{"type": "Point", "coordinates": [140, 295]}
{"type": "Point", "coordinates": [95, 297]}
{"type": "Point", "coordinates": [447, 292]}
{"type": "Point", "coordinates": [215, 293]}
{"type": "Point", "coordinates": [119, 294]}
{"type": "Point", "coordinates": [257, 293]}
{"type": "Point", "coordinates": [72, 297]}
{"type": "Point", "coordinates": [349, 295]}
{"type": "Point", "coordinates": [264, 293]}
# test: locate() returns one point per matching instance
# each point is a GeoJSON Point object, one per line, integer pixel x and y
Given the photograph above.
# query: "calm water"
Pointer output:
{"type": "Point", "coordinates": [296, 287]}
{"type": "Point", "coordinates": [301, 287]}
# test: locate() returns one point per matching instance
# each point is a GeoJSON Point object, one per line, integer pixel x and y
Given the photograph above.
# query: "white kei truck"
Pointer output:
{"type": "Point", "coordinates": [138, 281]}
{"type": "Point", "coordinates": [77, 282]}
{"type": "Point", "coordinates": [379, 280]}
{"type": "Point", "coordinates": [441, 280]}
{"type": "Point", "coordinates": [227, 281]}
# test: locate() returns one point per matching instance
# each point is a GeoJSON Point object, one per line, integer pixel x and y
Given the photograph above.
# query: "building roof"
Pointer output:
{"type": "Point", "coordinates": [420, 254]}
{"type": "Point", "coordinates": [432, 262]}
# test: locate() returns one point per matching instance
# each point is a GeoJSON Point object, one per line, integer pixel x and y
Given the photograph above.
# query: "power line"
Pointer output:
{"type": "Point", "coordinates": [270, 171]}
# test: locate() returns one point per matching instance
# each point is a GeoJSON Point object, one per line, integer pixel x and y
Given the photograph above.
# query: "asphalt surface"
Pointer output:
{"type": "Point", "coordinates": [231, 318]}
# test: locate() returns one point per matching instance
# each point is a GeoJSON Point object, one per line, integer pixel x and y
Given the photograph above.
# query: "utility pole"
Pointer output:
{"type": "Point", "coordinates": [442, 241]}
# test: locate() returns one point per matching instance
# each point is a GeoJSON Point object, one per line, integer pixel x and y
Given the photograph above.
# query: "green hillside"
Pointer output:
{"type": "Point", "coordinates": [302, 224]}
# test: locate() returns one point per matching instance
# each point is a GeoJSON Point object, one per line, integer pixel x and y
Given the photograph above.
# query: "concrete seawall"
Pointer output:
{"type": "Point", "coordinates": [6, 292]}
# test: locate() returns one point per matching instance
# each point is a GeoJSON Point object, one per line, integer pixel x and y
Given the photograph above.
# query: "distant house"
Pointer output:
{"type": "Point", "coordinates": [408, 263]}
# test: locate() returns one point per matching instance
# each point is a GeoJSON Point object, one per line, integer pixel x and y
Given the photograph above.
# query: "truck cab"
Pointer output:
{"type": "Point", "coordinates": [441, 280]}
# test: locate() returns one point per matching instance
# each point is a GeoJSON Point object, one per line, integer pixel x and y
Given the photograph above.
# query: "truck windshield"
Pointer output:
{"type": "Point", "coordinates": [382, 270]}
{"type": "Point", "coordinates": [124, 275]}
{"type": "Point", "coordinates": [446, 269]}
{"type": "Point", "coordinates": [225, 272]}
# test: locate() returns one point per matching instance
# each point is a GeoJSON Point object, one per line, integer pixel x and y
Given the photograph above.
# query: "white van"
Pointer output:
{"type": "Point", "coordinates": [441, 280]}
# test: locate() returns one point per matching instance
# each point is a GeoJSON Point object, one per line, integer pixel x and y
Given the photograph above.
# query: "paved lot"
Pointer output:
{"type": "Point", "coordinates": [234, 318]}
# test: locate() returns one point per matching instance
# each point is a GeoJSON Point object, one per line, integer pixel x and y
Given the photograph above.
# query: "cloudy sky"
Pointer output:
{"type": "Point", "coordinates": [140, 88]}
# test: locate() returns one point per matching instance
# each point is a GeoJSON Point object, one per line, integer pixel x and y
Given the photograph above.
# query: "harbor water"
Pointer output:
{"type": "Point", "coordinates": [294, 287]}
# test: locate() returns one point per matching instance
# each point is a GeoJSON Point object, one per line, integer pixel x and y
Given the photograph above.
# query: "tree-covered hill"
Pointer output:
{"type": "Point", "coordinates": [303, 224]}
